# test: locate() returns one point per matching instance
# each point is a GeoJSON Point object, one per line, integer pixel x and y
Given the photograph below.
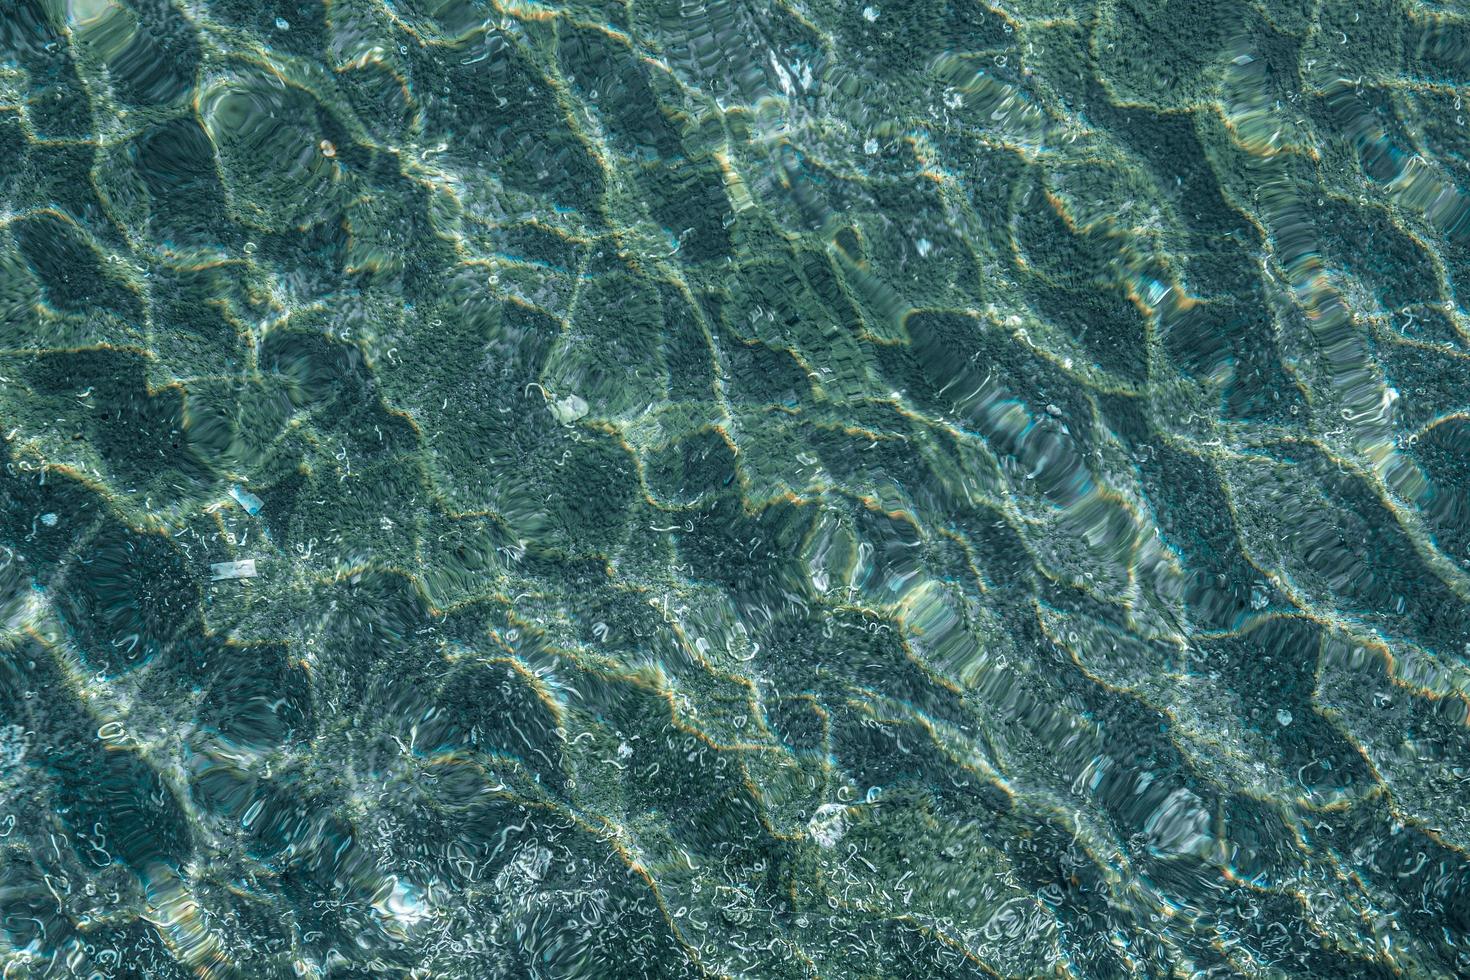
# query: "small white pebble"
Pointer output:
{"type": "Point", "coordinates": [221, 570]}
{"type": "Point", "coordinates": [1283, 717]}
{"type": "Point", "coordinates": [49, 520]}
{"type": "Point", "coordinates": [328, 150]}
{"type": "Point", "coordinates": [569, 409]}
{"type": "Point", "coordinates": [870, 14]}
{"type": "Point", "coordinates": [282, 24]}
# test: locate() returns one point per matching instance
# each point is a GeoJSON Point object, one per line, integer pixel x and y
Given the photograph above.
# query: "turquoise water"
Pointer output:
{"type": "Point", "coordinates": [734, 489]}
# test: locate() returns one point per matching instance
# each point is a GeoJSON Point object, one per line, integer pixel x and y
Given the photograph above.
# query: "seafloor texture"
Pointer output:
{"type": "Point", "coordinates": [734, 488]}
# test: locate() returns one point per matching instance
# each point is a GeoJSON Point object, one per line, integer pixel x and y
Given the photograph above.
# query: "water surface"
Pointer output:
{"type": "Point", "coordinates": [734, 489]}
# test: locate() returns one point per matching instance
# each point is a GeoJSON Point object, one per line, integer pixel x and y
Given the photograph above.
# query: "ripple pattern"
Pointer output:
{"type": "Point", "coordinates": [790, 489]}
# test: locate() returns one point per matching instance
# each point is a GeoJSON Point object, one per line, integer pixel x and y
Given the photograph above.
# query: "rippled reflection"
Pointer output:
{"type": "Point", "coordinates": [682, 488]}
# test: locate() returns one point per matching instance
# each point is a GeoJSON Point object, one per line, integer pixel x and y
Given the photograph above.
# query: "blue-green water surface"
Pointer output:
{"type": "Point", "coordinates": [734, 488]}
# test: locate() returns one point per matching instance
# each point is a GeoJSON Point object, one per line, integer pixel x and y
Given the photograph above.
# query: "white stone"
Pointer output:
{"type": "Point", "coordinates": [569, 409]}
{"type": "Point", "coordinates": [245, 568]}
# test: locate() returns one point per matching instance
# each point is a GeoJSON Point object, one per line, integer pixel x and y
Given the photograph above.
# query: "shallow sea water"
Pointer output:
{"type": "Point", "coordinates": [734, 488]}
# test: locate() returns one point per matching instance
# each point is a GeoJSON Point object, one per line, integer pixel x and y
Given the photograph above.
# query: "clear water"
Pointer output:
{"type": "Point", "coordinates": [734, 489]}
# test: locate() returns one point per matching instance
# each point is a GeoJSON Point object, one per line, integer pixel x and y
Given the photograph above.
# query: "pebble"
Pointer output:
{"type": "Point", "coordinates": [569, 409]}
{"type": "Point", "coordinates": [221, 570]}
